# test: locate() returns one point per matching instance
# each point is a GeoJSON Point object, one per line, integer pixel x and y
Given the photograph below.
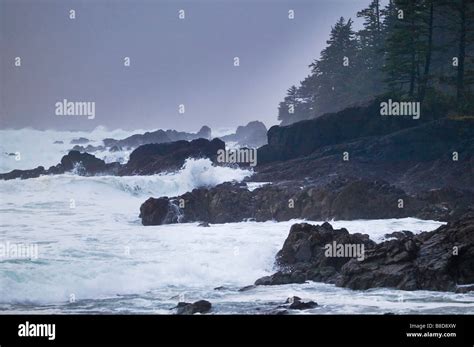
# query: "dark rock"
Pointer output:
{"type": "Point", "coordinates": [339, 199]}
{"type": "Point", "coordinates": [354, 122]}
{"type": "Point", "coordinates": [414, 157]}
{"type": "Point", "coordinates": [254, 134]}
{"type": "Point", "coordinates": [297, 304]}
{"type": "Point", "coordinates": [159, 211]}
{"type": "Point", "coordinates": [108, 142]}
{"type": "Point", "coordinates": [23, 174]}
{"type": "Point", "coordinates": [186, 308]}
{"type": "Point", "coordinates": [204, 133]}
{"type": "Point", "coordinates": [246, 288]}
{"type": "Point", "coordinates": [89, 148]}
{"type": "Point", "coordinates": [79, 141]}
{"type": "Point", "coordinates": [303, 256]}
{"type": "Point", "coordinates": [58, 142]}
{"type": "Point", "coordinates": [292, 299]}
{"type": "Point", "coordinates": [154, 158]}
{"type": "Point", "coordinates": [145, 160]}
{"type": "Point", "coordinates": [78, 148]}
{"type": "Point", "coordinates": [282, 278]}
{"type": "Point", "coordinates": [204, 224]}
{"type": "Point", "coordinates": [84, 162]}
{"type": "Point", "coordinates": [157, 137]}
{"type": "Point", "coordinates": [425, 261]}
{"type": "Point", "coordinates": [438, 260]}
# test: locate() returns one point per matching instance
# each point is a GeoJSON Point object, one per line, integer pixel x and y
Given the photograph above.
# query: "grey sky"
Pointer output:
{"type": "Point", "coordinates": [173, 61]}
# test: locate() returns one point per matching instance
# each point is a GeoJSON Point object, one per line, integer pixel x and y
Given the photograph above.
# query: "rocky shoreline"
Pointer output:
{"type": "Point", "coordinates": [441, 260]}
{"type": "Point", "coordinates": [148, 159]}
{"type": "Point", "coordinates": [347, 199]}
{"type": "Point", "coordinates": [349, 165]}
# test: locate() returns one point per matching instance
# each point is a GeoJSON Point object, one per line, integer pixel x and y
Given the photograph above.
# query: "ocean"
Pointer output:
{"type": "Point", "coordinates": [95, 256]}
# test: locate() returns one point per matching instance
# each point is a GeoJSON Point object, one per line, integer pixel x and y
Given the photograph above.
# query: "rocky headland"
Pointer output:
{"type": "Point", "coordinates": [441, 260]}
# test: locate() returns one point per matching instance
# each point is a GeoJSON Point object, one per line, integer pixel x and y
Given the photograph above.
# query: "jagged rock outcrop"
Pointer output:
{"type": "Point", "coordinates": [204, 133]}
{"type": "Point", "coordinates": [440, 260]}
{"type": "Point", "coordinates": [340, 199]}
{"type": "Point", "coordinates": [81, 163]}
{"type": "Point", "coordinates": [432, 155]}
{"type": "Point", "coordinates": [254, 134]}
{"type": "Point", "coordinates": [355, 122]}
{"type": "Point", "coordinates": [23, 174]}
{"type": "Point", "coordinates": [159, 211]}
{"type": "Point", "coordinates": [158, 136]}
{"type": "Point", "coordinates": [303, 256]}
{"type": "Point", "coordinates": [187, 308]}
{"type": "Point", "coordinates": [432, 152]}
{"type": "Point", "coordinates": [145, 160]}
{"type": "Point", "coordinates": [88, 149]}
{"type": "Point", "coordinates": [154, 158]}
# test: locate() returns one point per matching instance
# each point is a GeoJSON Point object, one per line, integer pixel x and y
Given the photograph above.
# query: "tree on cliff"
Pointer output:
{"type": "Point", "coordinates": [459, 23]}
{"type": "Point", "coordinates": [334, 71]}
{"type": "Point", "coordinates": [296, 106]}
{"type": "Point", "coordinates": [331, 81]}
{"type": "Point", "coordinates": [371, 48]}
{"type": "Point", "coordinates": [414, 49]}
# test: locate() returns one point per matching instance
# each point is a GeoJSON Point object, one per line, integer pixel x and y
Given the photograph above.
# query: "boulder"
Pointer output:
{"type": "Point", "coordinates": [84, 162]}
{"type": "Point", "coordinates": [186, 308]}
{"type": "Point", "coordinates": [441, 260]}
{"type": "Point", "coordinates": [254, 134]}
{"type": "Point", "coordinates": [159, 211]}
{"type": "Point", "coordinates": [295, 303]}
{"type": "Point", "coordinates": [154, 158]}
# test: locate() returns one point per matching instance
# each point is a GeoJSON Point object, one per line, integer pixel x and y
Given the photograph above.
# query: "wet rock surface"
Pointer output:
{"type": "Point", "coordinates": [441, 260]}
{"type": "Point", "coordinates": [155, 158]}
{"type": "Point", "coordinates": [339, 199]}
{"type": "Point", "coordinates": [186, 308]}
{"type": "Point", "coordinates": [145, 160]}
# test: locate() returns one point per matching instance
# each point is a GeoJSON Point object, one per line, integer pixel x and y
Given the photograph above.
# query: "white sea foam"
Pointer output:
{"type": "Point", "coordinates": [37, 147]}
{"type": "Point", "coordinates": [100, 253]}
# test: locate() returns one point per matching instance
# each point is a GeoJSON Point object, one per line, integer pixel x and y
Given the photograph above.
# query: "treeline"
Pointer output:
{"type": "Point", "coordinates": [418, 50]}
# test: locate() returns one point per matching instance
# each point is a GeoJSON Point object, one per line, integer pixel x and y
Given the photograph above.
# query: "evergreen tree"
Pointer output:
{"type": "Point", "coordinates": [334, 71]}
{"type": "Point", "coordinates": [460, 24]}
{"type": "Point", "coordinates": [295, 107]}
{"type": "Point", "coordinates": [372, 43]}
{"type": "Point", "coordinates": [407, 48]}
